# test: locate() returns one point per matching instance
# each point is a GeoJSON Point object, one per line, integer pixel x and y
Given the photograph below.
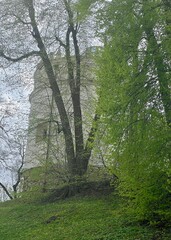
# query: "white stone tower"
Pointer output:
{"type": "Point", "coordinates": [45, 137]}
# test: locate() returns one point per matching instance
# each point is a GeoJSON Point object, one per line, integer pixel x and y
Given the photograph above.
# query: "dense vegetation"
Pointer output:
{"type": "Point", "coordinates": [135, 103]}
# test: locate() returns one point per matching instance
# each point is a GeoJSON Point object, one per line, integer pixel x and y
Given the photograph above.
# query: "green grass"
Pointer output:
{"type": "Point", "coordinates": [76, 219]}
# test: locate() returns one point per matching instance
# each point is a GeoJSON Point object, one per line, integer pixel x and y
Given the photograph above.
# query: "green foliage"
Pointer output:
{"type": "Point", "coordinates": [83, 7]}
{"type": "Point", "coordinates": [133, 78]}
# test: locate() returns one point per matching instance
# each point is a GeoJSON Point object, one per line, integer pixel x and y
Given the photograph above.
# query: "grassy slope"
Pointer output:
{"type": "Point", "coordinates": [76, 219]}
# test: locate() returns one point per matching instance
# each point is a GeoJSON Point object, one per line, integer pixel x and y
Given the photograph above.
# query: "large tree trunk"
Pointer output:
{"type": "Point", "coordinates": [74, 83]}
{"type": "Point", "coordinates": [82, 153]}
{"type": "Point", "coordinates": [55, 91]}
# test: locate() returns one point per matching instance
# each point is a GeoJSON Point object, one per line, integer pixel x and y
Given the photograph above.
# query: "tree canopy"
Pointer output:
{"type": "Point", "coordinates": [135, 101]}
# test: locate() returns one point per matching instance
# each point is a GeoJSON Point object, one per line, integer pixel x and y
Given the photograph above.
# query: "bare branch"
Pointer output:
{"type": "Point", "coordinates": [27, 55]}
{"type": "Point", "coordinates": [3, 129]}
{"type": "Point", "coordinates": [60, 42]}
{"type": "Point", "coordinates": [20, 20]}
{"type": "Point", "coordinates": [6, 190]}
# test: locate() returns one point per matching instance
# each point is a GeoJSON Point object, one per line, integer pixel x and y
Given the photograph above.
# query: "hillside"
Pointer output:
{"type": "Point", "coordinates": [77, 218]}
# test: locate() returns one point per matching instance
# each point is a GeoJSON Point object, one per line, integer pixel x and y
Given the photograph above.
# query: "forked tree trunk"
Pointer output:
{"type": "Point", "coordinates": [78, 155]}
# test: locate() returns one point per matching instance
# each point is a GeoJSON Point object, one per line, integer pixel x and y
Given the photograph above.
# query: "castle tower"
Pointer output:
{"type": "Point", "coordinates": [45, 137]}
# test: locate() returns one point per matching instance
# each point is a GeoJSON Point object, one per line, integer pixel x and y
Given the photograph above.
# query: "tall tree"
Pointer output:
{"type": "Point", "coordinates": [34, 26]}
{"type": "Point", "coordinates": [134, 78]}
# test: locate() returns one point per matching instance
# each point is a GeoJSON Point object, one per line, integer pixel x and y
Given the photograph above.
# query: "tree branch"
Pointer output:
{"type": "Point", "coordinates": [20, 20]}
{"type": "Point", "coordinates": [6, 191]}
{"type": "Point", "coordinates": [60, 42]}
{"type": "Point", "coordinates": [27, 55]}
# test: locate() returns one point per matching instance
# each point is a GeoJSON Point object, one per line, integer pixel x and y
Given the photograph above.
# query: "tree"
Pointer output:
{"type": "Point", "coordinates": [135, 100]}
{"type": "Point", "coordinates": [17, 170]}
{"type": "Point", "coordinates": [38, 24]}
{"type": "Point", "coordinates": [13, 125]}
{"type": "Point", "coordinates": [12, 159]}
